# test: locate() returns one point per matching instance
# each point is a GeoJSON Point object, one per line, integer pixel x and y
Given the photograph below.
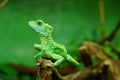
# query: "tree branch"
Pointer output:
{"type": "Point", "coordinates": [48, 72]}
{"type": "Point", "coordinates": [95, 51]}
{"type": "Point", "coordinates": [3, 3]}
{"type": "Point", "coordinates": [112, 47]}
{"type": "Point", "coordinates": [112, 35]}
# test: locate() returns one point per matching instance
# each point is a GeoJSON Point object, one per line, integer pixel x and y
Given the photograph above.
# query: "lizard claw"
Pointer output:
{"type": "Point", "coordinates": [35, 56]}
{"type": "Point", "coordinates": [38, 57]}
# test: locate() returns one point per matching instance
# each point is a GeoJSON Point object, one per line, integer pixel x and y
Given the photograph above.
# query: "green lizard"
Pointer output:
{"type": "Point", "coordinates": [48, 47]}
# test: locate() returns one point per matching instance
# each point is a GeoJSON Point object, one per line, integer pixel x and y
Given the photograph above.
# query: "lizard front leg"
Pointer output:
{"type": "Point", "coordinates": [37, 46]}
{"type": "Point", "coordinates": [38, 56]}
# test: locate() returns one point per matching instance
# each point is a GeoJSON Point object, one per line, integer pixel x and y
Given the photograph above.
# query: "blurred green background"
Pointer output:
{"type": "Point", "coordinates": [73, 20]}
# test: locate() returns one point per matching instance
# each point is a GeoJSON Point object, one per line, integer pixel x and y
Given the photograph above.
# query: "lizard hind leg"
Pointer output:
{"type": "Point", "coordinates": [72, 60]}
{"type": "Point", "coordinates": [58, 59]}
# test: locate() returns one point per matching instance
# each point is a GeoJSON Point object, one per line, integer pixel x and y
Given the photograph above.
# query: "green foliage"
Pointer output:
{"type": "Point", "coordinates": [25, 78]}
{"type": "Point", "coordinates": [7, 73]}
{"type": "Point", "coordinates": [72, 21]}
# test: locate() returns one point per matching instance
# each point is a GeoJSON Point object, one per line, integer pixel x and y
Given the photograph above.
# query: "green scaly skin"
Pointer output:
{"type": "Point", "coordinates": [48, 47]}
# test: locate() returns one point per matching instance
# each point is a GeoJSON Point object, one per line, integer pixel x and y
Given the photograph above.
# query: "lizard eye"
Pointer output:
{"type": "Point", "coordinates": [39, 23]}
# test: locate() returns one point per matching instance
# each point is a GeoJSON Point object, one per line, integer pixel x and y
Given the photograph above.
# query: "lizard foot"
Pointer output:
{"type": "Point", "coordinates": [37, 57]}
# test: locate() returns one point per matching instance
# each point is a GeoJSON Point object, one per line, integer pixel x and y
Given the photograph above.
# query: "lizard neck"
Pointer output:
{"type": "Point", "coordinates": [46, 39]}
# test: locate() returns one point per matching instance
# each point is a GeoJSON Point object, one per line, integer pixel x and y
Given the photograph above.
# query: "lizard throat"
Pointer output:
{"type": "Point", "coordinates": [46, 39]}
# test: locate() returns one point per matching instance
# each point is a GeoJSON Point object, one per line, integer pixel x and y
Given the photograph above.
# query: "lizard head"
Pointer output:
{"type": "Point", "coordinates": [40, 27]}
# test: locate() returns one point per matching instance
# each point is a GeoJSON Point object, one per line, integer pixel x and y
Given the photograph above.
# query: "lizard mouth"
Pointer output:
{"type": "Point", "coordinates": [43, 33]}
{"type": "Point", "coordinates": [40, 30]}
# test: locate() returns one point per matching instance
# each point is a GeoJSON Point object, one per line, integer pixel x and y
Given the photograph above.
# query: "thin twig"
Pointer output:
{"type": "Point", "coordinates": [3, 3]}
{"type": "Point", "coordinates": [102, 18]}
{"type": "Point", "coordinates": [112, 47]}
{"type": "Point", "coordinates": [112, 35]}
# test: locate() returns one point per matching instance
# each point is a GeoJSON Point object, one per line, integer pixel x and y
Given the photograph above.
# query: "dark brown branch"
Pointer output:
{"type": "Point", "coordinates": [112, 47]}
{"type": "Point", "coordinates": [48, 72]}
{"type": "Point", "coordinates": [66, 70]}
{"type": "Point", "coordinates": [90, 73]}
{"type": "Point", "coordinates": [86, 59]}
{"type": "Point", "coordinates": [24, 70]}
{"type": "Point", "coordinates": [32, 71]}
{"type": "Point", "coordinates": [95, 51]}
{"type": "Point", "coordinates": [112, 35]}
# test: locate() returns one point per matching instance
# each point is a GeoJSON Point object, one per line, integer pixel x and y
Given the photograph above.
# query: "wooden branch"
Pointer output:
{"type": "Point", "coordinates": [48, 72]}
{"type": "Point", "coordinates": [90, 73]}
{"type": "Point", "coordinates": [86, 59]}
{"type": "Point", "coordinates": [112, 35]}
{"type": "Point", "coordinates": [45, 68]}
{"type": "Point", "coordinates": [24, 70]}
{"type": "Point", "coordinates": [66, 70]}
{"type": "Point", "coordinates": [102, 17]}
{"type": "Point", "coordinates": [95, 51]}
{"type": "Point", "coordinates": [3, 3]}
{"type": "Point", "coordinates": [112, 47]}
